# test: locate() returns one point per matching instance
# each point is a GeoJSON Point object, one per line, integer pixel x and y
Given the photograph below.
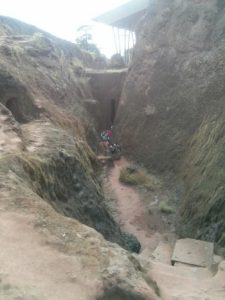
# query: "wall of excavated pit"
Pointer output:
{"type": "Point", "coordinates": [106, 88]}
{"type": "Point", "coordinates": [173, 107]}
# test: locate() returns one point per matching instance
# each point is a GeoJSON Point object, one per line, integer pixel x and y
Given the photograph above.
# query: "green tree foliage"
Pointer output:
{"type": "Point", "coordinates": [84, 40]}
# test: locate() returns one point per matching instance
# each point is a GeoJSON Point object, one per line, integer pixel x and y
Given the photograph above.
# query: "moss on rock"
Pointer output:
{"type": "Point", "coordinates": [203, 209]}
{"type": "Point", "coordinates": [139, 177]}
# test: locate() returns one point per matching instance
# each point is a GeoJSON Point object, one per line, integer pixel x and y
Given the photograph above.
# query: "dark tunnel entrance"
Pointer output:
{"type": "Point", "coordinates": [13, 105]}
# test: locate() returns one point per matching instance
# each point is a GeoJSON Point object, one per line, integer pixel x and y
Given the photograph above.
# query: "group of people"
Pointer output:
{"type": "Point", "coordinates": [106, 135]}
{"type": "Point", "coordinates": [107, 142]}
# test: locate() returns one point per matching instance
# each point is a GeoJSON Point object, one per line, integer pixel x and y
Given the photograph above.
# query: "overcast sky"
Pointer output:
{"type": "Point", "coordinates": [63, 17]}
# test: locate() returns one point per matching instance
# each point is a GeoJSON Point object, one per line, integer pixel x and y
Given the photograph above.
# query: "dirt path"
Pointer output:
{"type": "Point", "coordinates": [132, 213]}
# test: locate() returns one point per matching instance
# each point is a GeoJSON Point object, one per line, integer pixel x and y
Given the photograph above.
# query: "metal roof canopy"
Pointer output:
{"type": "Point", "coordinates": [125, 16]}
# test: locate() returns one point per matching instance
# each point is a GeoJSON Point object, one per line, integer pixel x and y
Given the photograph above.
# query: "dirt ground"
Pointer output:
{"type": "Point", "coordinates": [137, 210]}
{"type": "Point", "coordinates": [138, 213]}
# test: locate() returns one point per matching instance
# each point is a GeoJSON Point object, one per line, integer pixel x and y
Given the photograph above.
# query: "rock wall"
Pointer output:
{"type": "Point", "coordinates": [50, 195]}
{"type": "Point", "coordinates": [46, 175]}
{"type": "Point", "coordinates": [43, 88]}
{"type": "Point", "coordinates": [175, 78]}
{"type": "Point", "coordinates": [173, 101]}
{"type": "Point", "coordinates": [203, 207]}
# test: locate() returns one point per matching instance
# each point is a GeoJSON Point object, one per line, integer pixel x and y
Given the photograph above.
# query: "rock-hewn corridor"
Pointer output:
{"type": "Point", "coordinates": [69, 229]}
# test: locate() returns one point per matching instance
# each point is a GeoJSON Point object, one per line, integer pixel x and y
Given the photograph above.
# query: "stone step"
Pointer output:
{"type": "Point", "coordinates": [103, 157]}
{"type": "Point", "coordinates": [188, 282]}
{"type": "Point", "coordinates": [163, 253]}
{"type": "Point", "coordinates": [193, 252]}
{"type": "Point", "coordinates": [183, 272]}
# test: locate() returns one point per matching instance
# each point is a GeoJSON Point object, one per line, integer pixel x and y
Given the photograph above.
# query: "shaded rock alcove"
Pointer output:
{"type": "Point", "coordinates": [106, 88]}
{"type": "Point", "coordinates": [15, 97]}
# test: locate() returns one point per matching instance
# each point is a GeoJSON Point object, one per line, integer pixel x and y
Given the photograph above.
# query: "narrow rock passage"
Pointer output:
{"type": "Point", "coordinates": [175, 282]}
{"type": "Point", "coordinates": [132, 213]}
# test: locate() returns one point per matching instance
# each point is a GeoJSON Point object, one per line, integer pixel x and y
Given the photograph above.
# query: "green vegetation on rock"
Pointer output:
{"type": "Point", "coordinates": [165, 208]}
{"type": "Point", "coordinates": [203, 208]}
{"type": "Point", "coordinates": [139, 177]}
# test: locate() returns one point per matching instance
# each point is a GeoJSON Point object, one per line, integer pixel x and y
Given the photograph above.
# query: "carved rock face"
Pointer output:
{"type": "Point", "coordinates": [172, 107]}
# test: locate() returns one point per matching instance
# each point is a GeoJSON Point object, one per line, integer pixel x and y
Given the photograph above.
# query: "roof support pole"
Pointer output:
{"type": "Point", "coordinates": [125, 46]}
{"type": "Point", "coordinates": [133, 39]}
{"type": "Point", "coordinates": [115, 41]}
{"type": "Point", "coordinates": [129, 58]}
{"type": "Point", "coordinates": [119, 43]}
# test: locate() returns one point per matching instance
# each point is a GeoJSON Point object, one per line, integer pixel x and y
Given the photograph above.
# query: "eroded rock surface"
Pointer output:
{"type": "Point", "coordinates": [172, 108]}
{"type": "Point", "coordinates": [49, 178]}
{"type": "Point", "coordinates": [50, 194]}
{"type": "Point", "coordinates": [41, 93]}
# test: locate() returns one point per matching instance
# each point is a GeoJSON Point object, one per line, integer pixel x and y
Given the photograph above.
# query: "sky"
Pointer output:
{"type": "Point", "coordinates": [63, 17]}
